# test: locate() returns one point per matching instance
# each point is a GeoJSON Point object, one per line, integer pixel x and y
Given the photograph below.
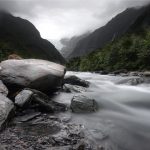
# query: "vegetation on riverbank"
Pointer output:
{"type": "Point", "coordinates": [131, 52]}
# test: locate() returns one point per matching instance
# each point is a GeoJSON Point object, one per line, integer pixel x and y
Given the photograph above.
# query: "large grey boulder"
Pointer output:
{"type": "Point", "coordinates": [82, 103]}
{"type": "Point", "coordinates": [6, 109]}
{"type": "Point", "coordinates": [3, 89]}
{"type": "Point", "coordinates": [74, 80]}
{"type": "Point", "coordinates": [32, 73]}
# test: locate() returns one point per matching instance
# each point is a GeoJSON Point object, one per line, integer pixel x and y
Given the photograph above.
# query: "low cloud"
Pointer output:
{"type": "Point", "coordinates": [56, 19]}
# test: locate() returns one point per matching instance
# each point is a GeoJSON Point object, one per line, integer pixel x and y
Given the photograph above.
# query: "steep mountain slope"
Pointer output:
{"type": "Point", "coordinates": [19, 36]}
{"type": "Point", "coordinates": [131, 51]}
{"type": "Point", "coordinates": [112, 30]}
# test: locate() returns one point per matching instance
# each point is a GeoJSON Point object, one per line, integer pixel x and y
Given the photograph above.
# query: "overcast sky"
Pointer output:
{"type": "Point", "coordinates": [56, 19]}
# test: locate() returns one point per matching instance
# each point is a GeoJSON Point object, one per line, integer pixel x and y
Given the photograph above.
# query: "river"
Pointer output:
{"type": "Point", "coordinates": [122, 121]}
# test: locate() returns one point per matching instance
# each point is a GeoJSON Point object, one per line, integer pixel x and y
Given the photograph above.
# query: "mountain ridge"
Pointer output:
{"type": "Point", "coordinates": [21, 37]}
{"type": "Point", "coordinates": [114, 29]}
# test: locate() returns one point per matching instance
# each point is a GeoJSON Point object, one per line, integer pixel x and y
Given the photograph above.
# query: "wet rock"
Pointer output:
{"type": "Point", "coordinates": [73, 80]}
{"type": "Point", "coordinates": [27, 117]}
{"type": "Point", "coordinates": [23, 98]}
{"type": "Point", "coordinates": [3, 89]}
{"type": "Point", "coordinates": [124, 74]}
{"type": "Point", "coordinates": [146, 73]}
{"type": "Point", "coordinates": [73, 88]}
{"type": "Point", "coordinates": [32, 73]}
{"type": "Point", "coordinates": [82, 103]}
{"type": "Point", "coordinates": [132, 81]}
{"type": "Point", "coordinates": [47, 104]}
{"type": "Point", "coordinates": [133, 74]}
{"type": "Point", "coordinates": [120, 71]}
{"type": "Point", "coordinates": [6, 110]}
{"type": "Point", "coordinates": [36, 99]}
{"type": "Point", "coordinates": [136, 73]}
{"type": "Point", "coordinates": [104, 72]}
{"type": "Point", "coordinates": [70, 134]}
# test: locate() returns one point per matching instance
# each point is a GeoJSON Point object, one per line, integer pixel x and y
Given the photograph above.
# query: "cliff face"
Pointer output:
{"type": "Point", "coordinates": [21, 37]}
{"type": "Point", "coordinates": [114, 29]}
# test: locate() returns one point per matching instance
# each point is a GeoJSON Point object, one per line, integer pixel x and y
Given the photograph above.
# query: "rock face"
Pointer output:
{"type": "Point", "coordinates": [6, 108]}
{"type": "Point", "coordinates": [3, 89]}
{"type": "Point", "coordinates": [32, 73]}
{"type": "Point", "coordinates": [82, 103]}
{"type": "Point", "coordinates": [73, 80]}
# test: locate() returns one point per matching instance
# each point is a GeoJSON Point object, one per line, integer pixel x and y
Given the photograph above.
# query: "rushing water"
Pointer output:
{"type": "Point", "coordinates": [123, 119]}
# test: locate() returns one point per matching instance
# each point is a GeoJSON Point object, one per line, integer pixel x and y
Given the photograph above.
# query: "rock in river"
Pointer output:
{"type": "Point", "coordinates": [6, 109]}
{"type": "Point", "coordinates": [82, 103]}
{"type": "Point", "coordinates": [132, 81]}
{"type": "Point", "coordinates": [23, 98]}
{"type": "Point", "coordinates": [75, 81]}
{"type": "Point", "coordinates": [68, 88]}
{"type": "Point", "coordinates": [32, 73]}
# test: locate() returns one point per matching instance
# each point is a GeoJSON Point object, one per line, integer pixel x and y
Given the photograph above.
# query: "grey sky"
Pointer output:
{"type": "Point", "coordinates": [56, 19]}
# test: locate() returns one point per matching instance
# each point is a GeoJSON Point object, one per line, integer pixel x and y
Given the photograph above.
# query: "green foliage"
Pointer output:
{"type": "Point", "coordinates": [131, 52]}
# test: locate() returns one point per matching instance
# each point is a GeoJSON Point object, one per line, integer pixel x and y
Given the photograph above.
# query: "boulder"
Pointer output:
{"type": "Point", "coordinates": [6, 109]}
{"type": "Point", "coordinates": [73, 88]}
{"type": "Point", "coordinates": [103, 72]}
{"type": "Point", "coordinates": [146, 73]}
{"type": "Point", "coordinates": [3, 89]}
{"type": "Point", "coordinates": [32, 73]}
{"type": "Point", "coordinates": [23, 98]}
{"type": "Point", "coordinates": [132, 81]}
{"type": "Point", "coordinates": [82, 103]}
{"type": "Point", "coordinates": [119, 71]}
{"type": "Point", "coordinates": [73, 80]}
{"type": "Point", "coordinates": [32, 98]}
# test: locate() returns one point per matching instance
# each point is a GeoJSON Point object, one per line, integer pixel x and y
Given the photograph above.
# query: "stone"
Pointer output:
{"type": "Point", "coordinates": [146, 73]}
{"type": "Point", "coordinates": [32, 98]}
{"type": "Point", "coordinates": [3, 89]}
{"type": "Point", "coordinates": [32, 73]}
{"type": "Point", "coordinates": [132, 81]}
{"type": "Point", "coordinates": [82, 103]}
{"type": "Point", "coordinates": [6, 109]}
{"type": "Point", "coordinates": [73, 88]}
{"type": "Point", "coordinates": [117, 72]}
{"type": "Point", "coordinates": [73, 80]}
{"type": "Point", "coordinates": [27, 117]}
{"type": "Point", "coordinates": [23, 98]}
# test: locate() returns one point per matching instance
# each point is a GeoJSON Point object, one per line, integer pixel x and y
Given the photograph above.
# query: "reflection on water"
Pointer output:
{"type": "Point", "coordinates": [123, 119]}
